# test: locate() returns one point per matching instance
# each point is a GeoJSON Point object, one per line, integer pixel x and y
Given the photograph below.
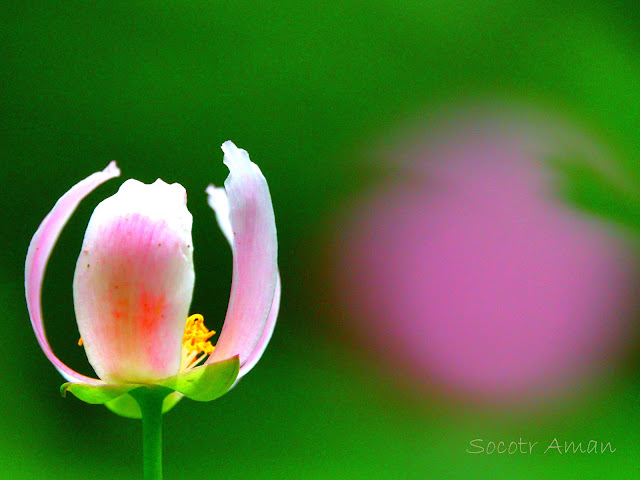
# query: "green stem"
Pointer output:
{"type": "Point", "coordinates": [150, 401]}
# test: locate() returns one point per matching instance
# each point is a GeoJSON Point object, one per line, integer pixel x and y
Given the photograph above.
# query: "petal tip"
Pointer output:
{"type": "Point", "coordinates": [216, 194]}
{"type": "Point", "coordinates": [233, 154]}
{"type": "Point", "coordinates": [228, 147]}
{"type": "Point", "coordinates": [112, 169]}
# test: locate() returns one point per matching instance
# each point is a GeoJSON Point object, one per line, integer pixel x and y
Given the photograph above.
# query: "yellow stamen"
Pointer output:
{"type": "Point", "coordinates": [195, 342]}
{"type": "Point", "coordinates": [80, 342]}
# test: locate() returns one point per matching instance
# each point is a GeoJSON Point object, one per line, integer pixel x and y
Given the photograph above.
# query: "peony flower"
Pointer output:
{"type": "Point", "coordinates": [134, 282]}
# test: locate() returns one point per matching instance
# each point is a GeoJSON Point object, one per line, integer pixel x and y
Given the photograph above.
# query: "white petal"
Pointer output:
{"type": "Point", "coordinates": [217, 198]}
{"type": "Point", "coordinates": [266, 335]}
{"type": "Point", "coordinates": [38, 255]}
{"type": "Point", "coordinates": [254, 255]}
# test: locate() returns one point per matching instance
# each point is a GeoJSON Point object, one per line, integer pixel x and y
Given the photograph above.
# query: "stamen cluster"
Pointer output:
{"type": "Point", "coordinates": [195, 343]}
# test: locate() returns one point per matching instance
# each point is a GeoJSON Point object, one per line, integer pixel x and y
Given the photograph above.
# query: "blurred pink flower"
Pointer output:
{"type": "Point", "coordinates": [464, 272]}
{"type": "Point", "coordinates": [134, 277]}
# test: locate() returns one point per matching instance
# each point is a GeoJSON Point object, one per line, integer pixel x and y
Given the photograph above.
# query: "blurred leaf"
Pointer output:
{"type": "Point", "coordinates": [593, 190]}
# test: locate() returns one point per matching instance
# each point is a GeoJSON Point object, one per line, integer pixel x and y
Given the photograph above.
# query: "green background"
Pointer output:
{"type": "Point", "coordinates": [306, 88]}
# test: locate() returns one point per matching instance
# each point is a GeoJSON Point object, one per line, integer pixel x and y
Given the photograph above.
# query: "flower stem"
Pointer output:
{"type": "Point", "coordinates": [150, 401]}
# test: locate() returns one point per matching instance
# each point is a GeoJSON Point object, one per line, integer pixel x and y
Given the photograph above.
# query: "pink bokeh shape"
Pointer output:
{"type": "Point", "coordinates": [469, 274]}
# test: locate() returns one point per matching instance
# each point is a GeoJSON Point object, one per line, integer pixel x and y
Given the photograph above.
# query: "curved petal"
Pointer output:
{"type": "Point", "coordinates": [38, 255]}
{"type": "Point", "coordinates": [266, 334]}
{"type": "Point", "coordinates": [255, 254]}
{"type": "Point", "coordinates": [219, 202]}
{"type": "Point", "coordinates": [134, 281]}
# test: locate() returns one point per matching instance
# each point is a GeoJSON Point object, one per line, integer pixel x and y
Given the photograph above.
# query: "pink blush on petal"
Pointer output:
{"type": "Point", "coordinates": [134, 310]}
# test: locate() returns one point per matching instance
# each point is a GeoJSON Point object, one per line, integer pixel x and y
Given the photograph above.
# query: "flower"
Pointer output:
{"type": "Point", "coordinates": [134, 282]}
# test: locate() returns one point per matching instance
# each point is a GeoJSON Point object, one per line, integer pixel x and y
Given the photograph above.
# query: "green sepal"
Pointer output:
{"type": "Point", "coordinates": [207, 382]}
{"type": "Point", "coordinates": [202, 384]}
{"type": "Point", "coordinates": [96, 394]}
{"type": "Point", "coordinates": [126, 406]}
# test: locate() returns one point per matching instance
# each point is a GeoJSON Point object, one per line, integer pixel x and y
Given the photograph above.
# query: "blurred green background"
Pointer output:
{"type": "Point", "coordinates": [305, 88]}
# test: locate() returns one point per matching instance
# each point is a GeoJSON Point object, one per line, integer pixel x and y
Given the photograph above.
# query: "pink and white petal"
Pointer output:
{"type": "Point", "coordinates": [267, 333]}
{"type": "Point", "coordinates": [38, 255]}
{"type": "Point", "coordinates": [134, 281]}
{"type": "Point", "coordinates": [219, 202]}
{"type": "Point", "coordinates": [255, 252]}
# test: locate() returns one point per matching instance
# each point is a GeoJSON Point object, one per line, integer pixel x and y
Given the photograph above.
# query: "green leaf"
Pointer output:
{"type": "Point", "coordinates": [126, 406]}
{"type": "Point", "coordinates": [96, 394]}
{"type": "Point", "coordinates": [205, 383]}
